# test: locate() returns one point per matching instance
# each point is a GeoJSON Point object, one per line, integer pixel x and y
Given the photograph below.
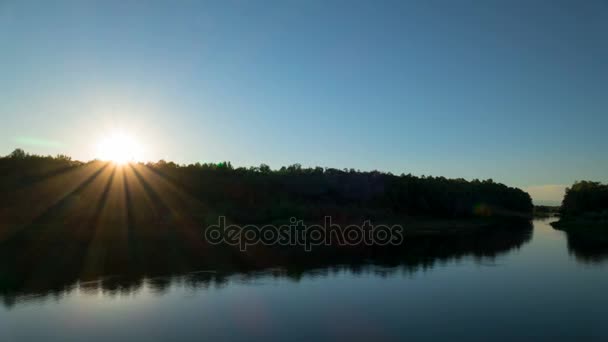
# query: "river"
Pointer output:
{"type": "Point", "coordinates": [548, 286]}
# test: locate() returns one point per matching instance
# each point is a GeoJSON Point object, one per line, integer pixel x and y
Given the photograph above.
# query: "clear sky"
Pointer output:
{"type": "Point", "coordinates": [516, 91]}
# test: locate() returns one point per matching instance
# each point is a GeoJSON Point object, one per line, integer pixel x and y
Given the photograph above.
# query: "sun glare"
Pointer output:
{"type": "Point", "coordinates": [119, 148]}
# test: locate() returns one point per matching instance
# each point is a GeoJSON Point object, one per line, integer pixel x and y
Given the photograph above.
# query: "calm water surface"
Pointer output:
{"type": "Point", "coordinates": [546, 288]}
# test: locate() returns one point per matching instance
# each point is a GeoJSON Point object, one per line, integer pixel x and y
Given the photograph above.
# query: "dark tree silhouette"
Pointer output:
{"type": "Point", "coordinates": [585, 205]}
{"type": "Point", "coordinates": [262, 195]}
{"type": "Point", "coordinates": [63, 221]}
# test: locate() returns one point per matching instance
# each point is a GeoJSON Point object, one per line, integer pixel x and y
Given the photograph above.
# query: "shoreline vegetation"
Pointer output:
{"type": "Point", "coordinates": [258, 195]}
{"type": "Point", "coordinates": [546, 211]}
{"type": "Point", "coordinates": [66, 221]}
{"type": "Point", "coordinates": [585, 206]}
{"type": "Point", "coordinates": [584, 220]}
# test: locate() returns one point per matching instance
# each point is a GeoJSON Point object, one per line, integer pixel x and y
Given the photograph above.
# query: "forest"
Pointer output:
{"type": "Point", "coordinates": [262, 195]}
{"type": "Point", "coordinates": [585, 202]}
{"type": "Point", "coordinates": [65, 220]}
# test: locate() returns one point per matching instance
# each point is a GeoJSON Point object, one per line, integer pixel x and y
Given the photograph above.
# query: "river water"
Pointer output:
{"type": "Point", "coordinates": [548, 286]}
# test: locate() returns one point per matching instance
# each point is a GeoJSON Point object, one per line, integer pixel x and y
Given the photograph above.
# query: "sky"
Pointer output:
{"type": "Point", "coordinates": [516, 91]}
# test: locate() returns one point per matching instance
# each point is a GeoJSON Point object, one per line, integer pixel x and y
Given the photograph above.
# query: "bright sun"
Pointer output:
{"type": "Point", "coordinates": [120, 148]}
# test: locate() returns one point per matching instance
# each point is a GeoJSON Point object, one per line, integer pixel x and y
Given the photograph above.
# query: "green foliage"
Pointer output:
{"type": "Point", "coordinates": [265, 195]}
{"type": "Point", "coordinates": [18, 154]}
{"type": "Point", "coordinates": [586, 198]}
{"type": "Point", "coordinates": [260, 194]}
{"type": "Point", "coordinates": [20, 168]}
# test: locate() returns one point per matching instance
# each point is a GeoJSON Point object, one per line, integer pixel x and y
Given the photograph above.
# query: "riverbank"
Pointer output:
{"type": "Point", "coordinates": [580, 224]}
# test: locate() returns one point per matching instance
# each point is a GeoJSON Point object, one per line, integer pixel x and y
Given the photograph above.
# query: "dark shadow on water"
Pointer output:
{"type": "Point", "coordinates": [588, 245]}
{"type": "Point", "coordinates": [202, 266]}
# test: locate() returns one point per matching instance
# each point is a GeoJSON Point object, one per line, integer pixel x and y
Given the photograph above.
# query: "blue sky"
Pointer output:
{"type": "Point", "coordinates": [516, 91]}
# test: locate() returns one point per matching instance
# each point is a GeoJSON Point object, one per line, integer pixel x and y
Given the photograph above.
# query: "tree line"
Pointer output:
{"type": "Point", "coordinates": [585, 199]}
{"type": "Point", "coordinates": [261, 194]}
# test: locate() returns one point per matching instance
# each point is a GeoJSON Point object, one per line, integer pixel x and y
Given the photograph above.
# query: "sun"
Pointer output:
{"type": "Point", "coordinates": [120, 148]}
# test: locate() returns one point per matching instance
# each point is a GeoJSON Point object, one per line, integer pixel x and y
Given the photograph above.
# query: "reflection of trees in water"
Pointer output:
{"type": "Point", "coordinates": [98, 227]}
{"type": "Point", "coordinates": [57, 267]}
{"type": "Point", "coordinates": [589, 245]}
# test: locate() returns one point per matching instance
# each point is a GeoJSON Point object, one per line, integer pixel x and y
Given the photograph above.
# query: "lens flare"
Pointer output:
{"type": "Point", "coordinates": [119, 148]}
